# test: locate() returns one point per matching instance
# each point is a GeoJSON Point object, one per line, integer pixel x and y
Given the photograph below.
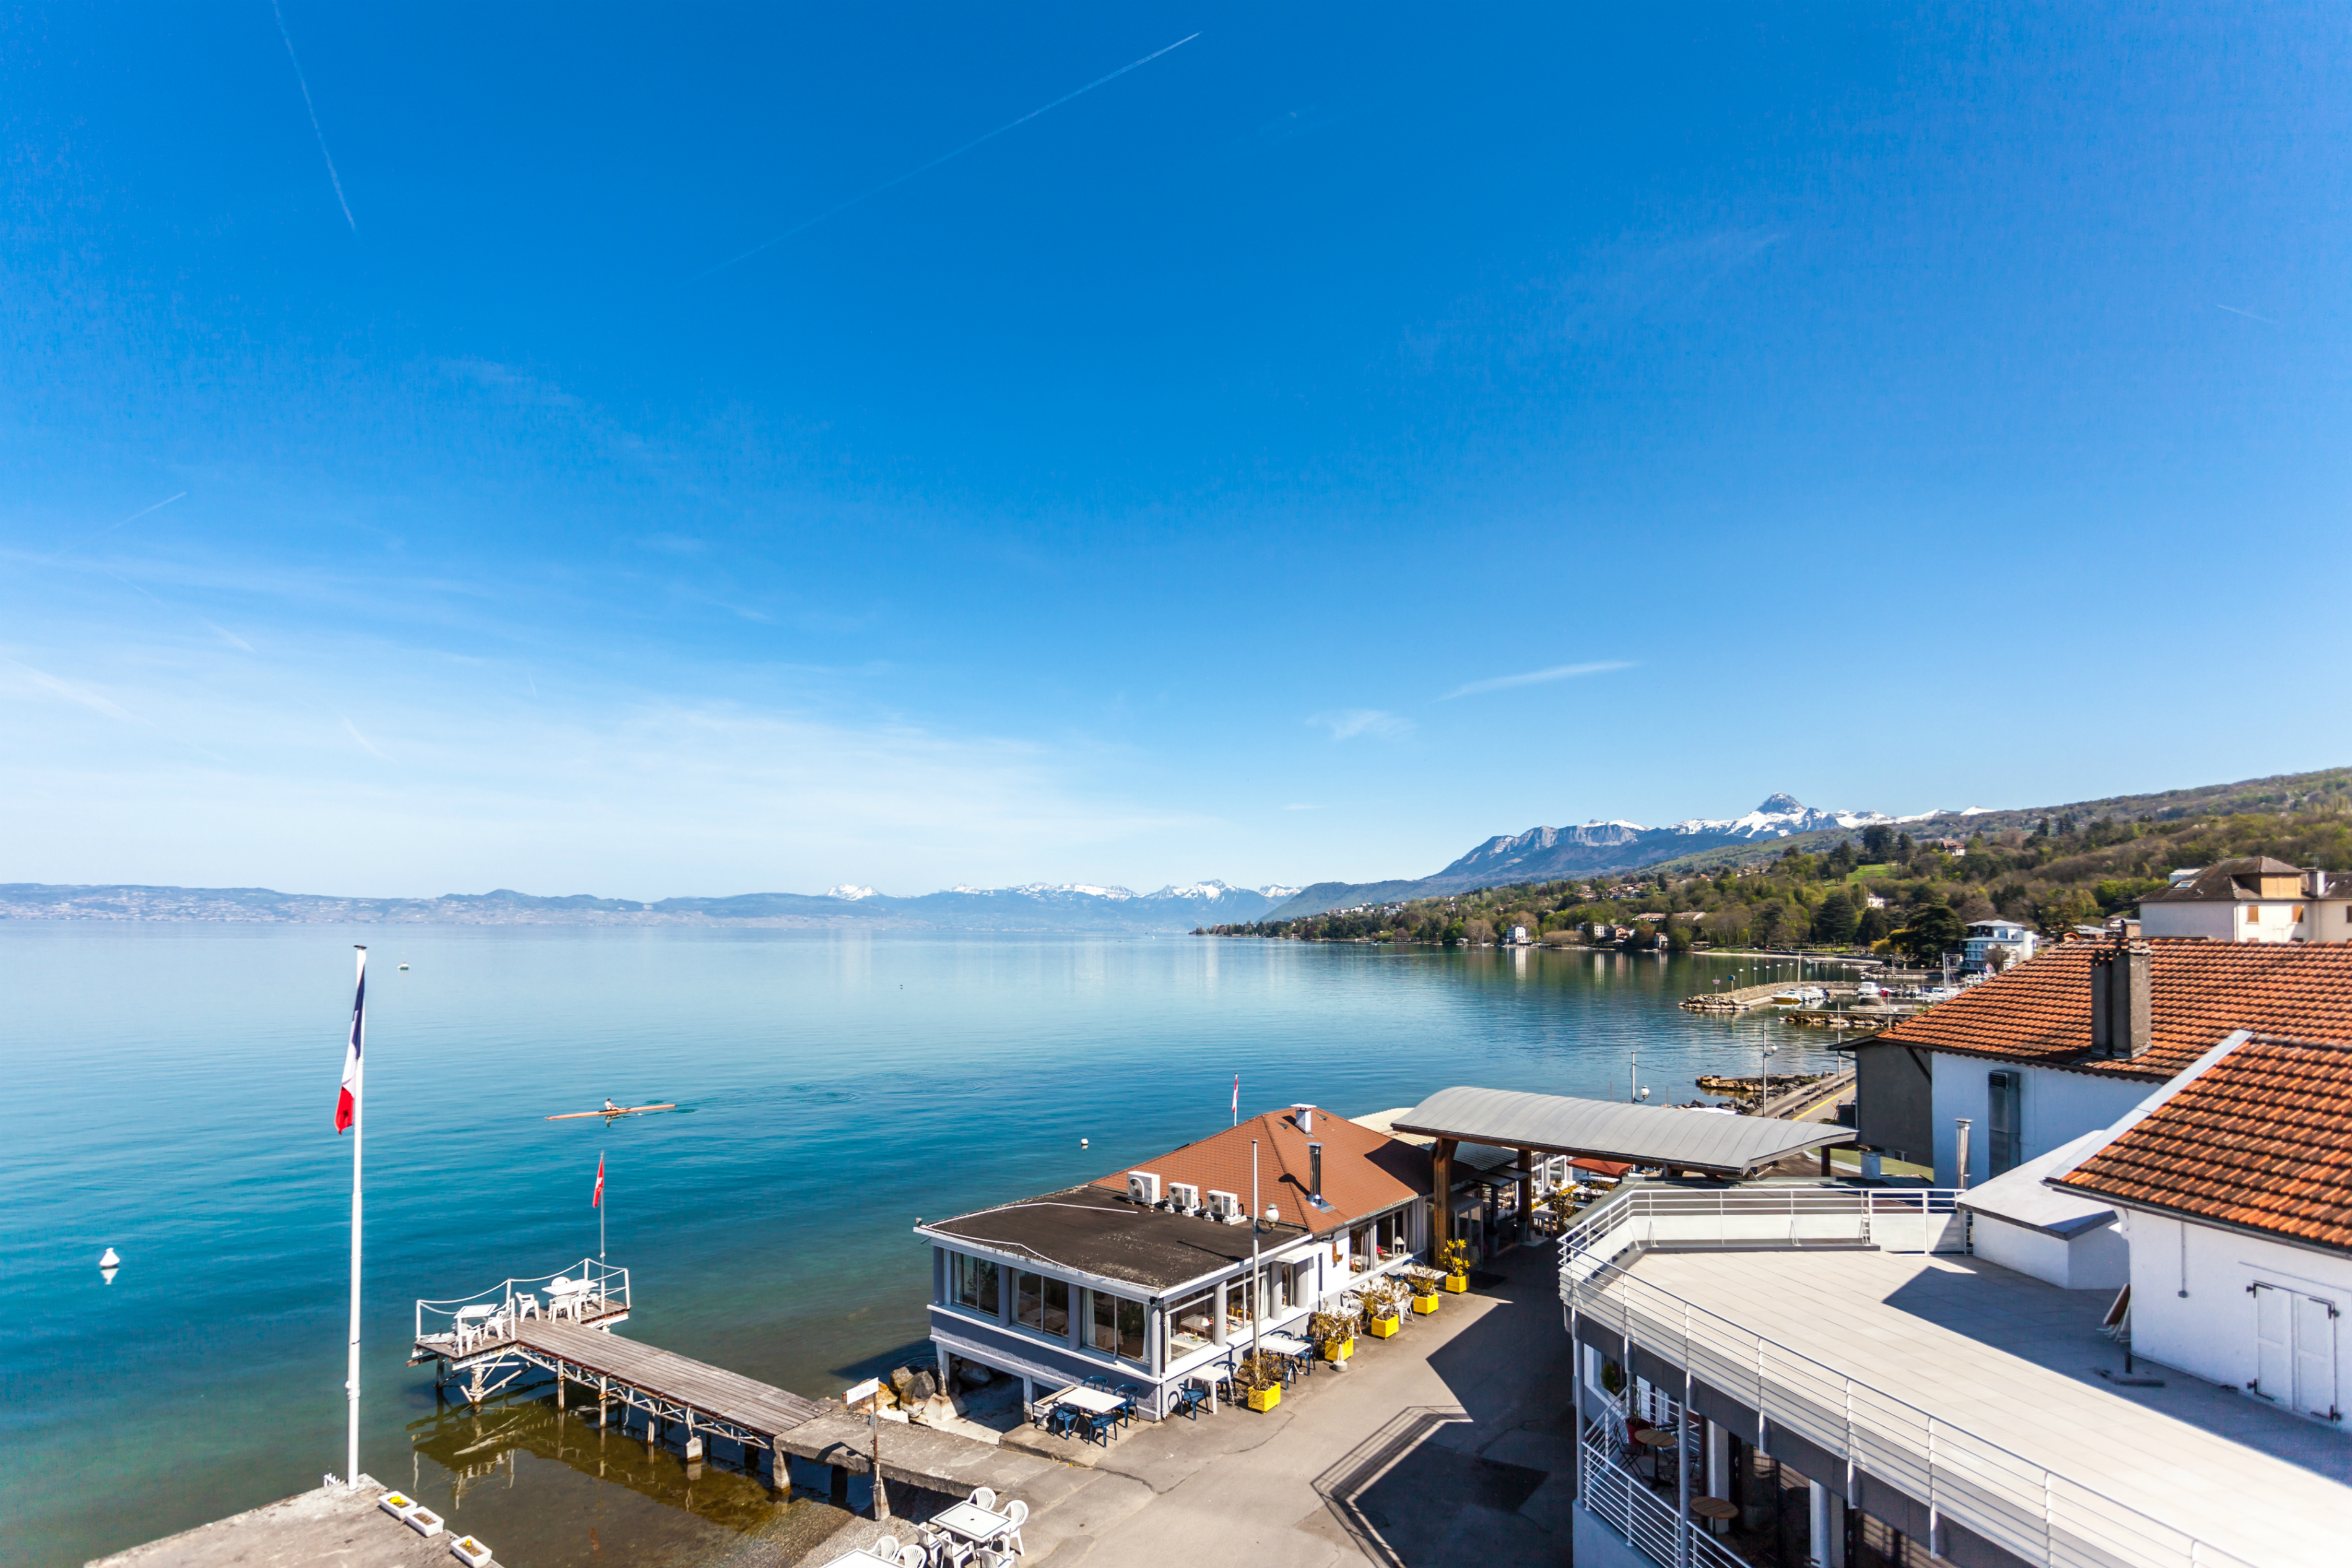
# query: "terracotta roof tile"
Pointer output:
{"type": "Point", "coordinates": [1364, 1172]}
{"type": "Point", "coordinates": [2262, 1139]}
{"type": "Point", "coordinates": [2039, 1010]}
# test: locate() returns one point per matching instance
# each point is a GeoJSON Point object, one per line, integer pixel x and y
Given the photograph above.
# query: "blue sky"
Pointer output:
{"type": "Point", "coordinates": [1353, 432]}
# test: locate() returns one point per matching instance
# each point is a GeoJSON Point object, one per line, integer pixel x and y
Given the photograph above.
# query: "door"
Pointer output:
{"type": "Point", "coordinates": [2294, 1350]}
{"type": "Point", "coordinates": [2314, 1357]}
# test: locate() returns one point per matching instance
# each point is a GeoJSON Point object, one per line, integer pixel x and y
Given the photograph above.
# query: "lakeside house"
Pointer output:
{"type": "Point", "coordinates": [1984, 935]}
{"type": "Point", "coordinates": [2251, 899]}
{"type": "Point", "coordinates": [1144, 1276]}
{"type": "Point", "coordinates": [2072, 1039]}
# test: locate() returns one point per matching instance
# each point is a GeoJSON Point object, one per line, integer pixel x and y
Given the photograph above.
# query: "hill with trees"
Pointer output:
{"type": "Point", "coordinates": [1881, 888]}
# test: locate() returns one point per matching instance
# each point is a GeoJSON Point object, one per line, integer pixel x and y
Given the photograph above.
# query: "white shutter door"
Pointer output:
{"type": "Point", "coordinates": [2314, 1357]}
{"type": "Point", "coordinates": [2274, 1343]}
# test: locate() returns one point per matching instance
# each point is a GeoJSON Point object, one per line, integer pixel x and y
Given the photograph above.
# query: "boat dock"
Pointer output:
{"type": "Point", "coordinates": [561, 1325]}
{"type": "Point", "coordinates": [1747, 997]}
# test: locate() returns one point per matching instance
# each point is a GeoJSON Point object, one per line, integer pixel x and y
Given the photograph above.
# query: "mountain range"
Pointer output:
{"type": "Point", "coordinates": [1599, 849]}
{"type": "Point", "coordinates": [1037, 906]}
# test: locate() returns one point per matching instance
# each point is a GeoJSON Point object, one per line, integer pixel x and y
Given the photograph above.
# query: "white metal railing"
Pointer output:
{"type": "Point", "coordinates": [2020, 1506]}
{"type": "Point", "coordinates": [463, 1321]}
{"type": "Point", "coordinates": [1625, 1503]}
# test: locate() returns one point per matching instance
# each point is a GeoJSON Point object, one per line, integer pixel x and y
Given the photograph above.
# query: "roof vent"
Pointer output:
{"type": "Point", "coordinates": [1142, 1187]}
{"type": "Point", "coordinates": [1305, 1116]}
{"type": "Point", "coordinates": [1315, 1175]}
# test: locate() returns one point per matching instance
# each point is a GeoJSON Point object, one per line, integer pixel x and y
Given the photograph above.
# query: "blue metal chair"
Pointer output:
{"type": "Point", "coordinates": [1189, 1400]}
{"type": "Point", "coordinates": [1064, 1418]}
{"type": "Point", "coordinates": [1099, 1428]}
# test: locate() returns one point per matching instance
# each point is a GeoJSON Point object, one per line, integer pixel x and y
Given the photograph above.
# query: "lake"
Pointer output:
{"type": "Point", "coordinates": [172, 1096]}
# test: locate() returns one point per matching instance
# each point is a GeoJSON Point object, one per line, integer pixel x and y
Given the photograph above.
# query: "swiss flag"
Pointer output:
{"type": "Point", "coordinates": [347, 1103]}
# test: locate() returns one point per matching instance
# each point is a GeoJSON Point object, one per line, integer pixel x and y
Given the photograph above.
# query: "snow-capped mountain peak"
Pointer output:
{"type": "Point", "coordinates": [849, 891]}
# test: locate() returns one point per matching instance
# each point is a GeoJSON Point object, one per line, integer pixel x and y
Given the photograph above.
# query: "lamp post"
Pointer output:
{"type": "Point", "coordinates": [1764, 1070]}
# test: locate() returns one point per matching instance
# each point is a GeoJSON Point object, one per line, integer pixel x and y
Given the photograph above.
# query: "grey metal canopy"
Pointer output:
{"type": "Point", "coordinates": [1602, 1129]}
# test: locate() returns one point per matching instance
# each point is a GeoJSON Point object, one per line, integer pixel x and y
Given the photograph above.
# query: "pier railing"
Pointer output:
{"type": "Point", "coordinates": [604, 1293]}
{"type": "Point", "coordinates": [1956, 1474]}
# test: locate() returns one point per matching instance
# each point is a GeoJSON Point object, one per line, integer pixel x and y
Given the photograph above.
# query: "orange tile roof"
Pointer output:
{"type": "Point", "coordinates": [1364, 1172]}
{"type": "Point", "coordinates": [2262, 1139]}
{"type": "Point", "coordinates": [2039, 1010]}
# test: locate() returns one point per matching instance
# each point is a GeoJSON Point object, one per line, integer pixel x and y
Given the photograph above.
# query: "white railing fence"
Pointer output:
{"type": "Point", "coordinates": [1960, 1476]}
{"type": "Point", "coordinates": [1625, 1502]}
{"type": "Point", "coordinates": [607, 1291]}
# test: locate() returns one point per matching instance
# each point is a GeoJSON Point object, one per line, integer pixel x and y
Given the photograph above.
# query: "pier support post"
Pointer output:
{"type": "Point", "coordinates": [559, 1394]}
{"type": "Point", "coordinates": [838, 1487]}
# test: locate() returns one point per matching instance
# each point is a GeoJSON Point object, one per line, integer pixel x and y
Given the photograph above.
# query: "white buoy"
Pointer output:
{"type": "Point", "coordinates": [109, 1260]}
{"type": "Point", "coordinates": [1082, 1143]}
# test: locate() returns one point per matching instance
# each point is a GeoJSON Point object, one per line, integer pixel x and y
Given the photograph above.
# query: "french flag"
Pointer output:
{"type": "Point", "coordinates": [347, 1103]}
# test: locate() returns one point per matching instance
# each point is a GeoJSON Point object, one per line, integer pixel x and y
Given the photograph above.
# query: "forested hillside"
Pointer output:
{"type": "Point", "coordinates": [1878, 886]}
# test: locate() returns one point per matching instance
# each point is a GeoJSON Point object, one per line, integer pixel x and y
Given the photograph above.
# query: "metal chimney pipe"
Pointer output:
{"type": "Point", "coordinates": [1315, 1171]}
{"type": "Point", "coordinates": [1963, 1183]}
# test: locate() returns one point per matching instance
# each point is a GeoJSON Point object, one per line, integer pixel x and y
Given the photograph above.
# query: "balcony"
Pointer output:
{"type": "Point", "coordinates": [1846, 1329]}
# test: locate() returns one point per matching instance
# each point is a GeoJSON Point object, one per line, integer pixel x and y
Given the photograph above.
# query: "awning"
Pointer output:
{"type": "Point", "coordinates": [1602, 1129]}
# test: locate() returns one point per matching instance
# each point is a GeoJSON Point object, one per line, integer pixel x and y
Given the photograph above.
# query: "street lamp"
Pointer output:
{"type": "Point", "coordinates": [1764, 1070]}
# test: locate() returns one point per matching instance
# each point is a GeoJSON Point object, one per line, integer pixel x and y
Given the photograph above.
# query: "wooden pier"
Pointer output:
{"type": "Point", "coordinates": [509, 1331]}
{"type": "Point", "coordinates": [1747, 997]}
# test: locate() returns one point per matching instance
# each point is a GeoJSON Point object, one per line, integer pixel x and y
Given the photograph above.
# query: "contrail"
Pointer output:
{"type": "Point", "coordinates": [302, 81]}
{"type": "Point", "coordinates": [887, 184]}
{"type": "Point", "coordinates": [2247, 314]}
{"type": "Point", "coordinates": [75, 544]}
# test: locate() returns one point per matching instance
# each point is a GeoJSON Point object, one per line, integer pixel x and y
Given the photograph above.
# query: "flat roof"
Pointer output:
{"type": "Point", "coordinates": [1636, 1135]}
{"type": "Point", "coordinates": [2011, 1359]}
{"type": "Point", "coordinates": [1086, 1229]}
{"type": "Point", "coordinates": [2019, 1196]}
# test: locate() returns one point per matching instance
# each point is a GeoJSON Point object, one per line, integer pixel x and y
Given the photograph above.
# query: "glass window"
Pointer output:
{"type": "Point", "coordinates": [972, 1284]}
{"type": "Point", "coordinates": [1115, 1325]}
{"type": "Point", "coordinates": [1041, 1303]}
{"type": "Point", "coordinates": [1238, 1296]}
{"type": "Point", "coordinates": [1190, 1323]}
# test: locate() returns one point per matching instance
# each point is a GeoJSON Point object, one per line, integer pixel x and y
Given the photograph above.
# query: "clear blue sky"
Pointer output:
{"type": "Point", "coordinates": [1901, 409]}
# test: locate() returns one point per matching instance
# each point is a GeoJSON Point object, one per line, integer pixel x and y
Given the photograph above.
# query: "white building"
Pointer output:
{"type": "Point", "coordinates": [1984, 935]}
{"type": "Point", "coordinates": [2234, 1188]}
{"type": "Point", "coordinates": [2071, 1041]}
{"type": "Point", "coordinates": [2251, 899]}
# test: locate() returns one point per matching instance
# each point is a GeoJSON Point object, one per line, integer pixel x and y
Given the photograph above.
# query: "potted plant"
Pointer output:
{"type": "Point", "coordinates": [1333, 1335]}
{"type": "Point", "coordinates": [1455, 1256]}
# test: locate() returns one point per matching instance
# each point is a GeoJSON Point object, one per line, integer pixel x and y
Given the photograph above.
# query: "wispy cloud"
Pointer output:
{"type": "Point", "coordinates": [1538, 677]}
{"type": "Point", "coordinates": [2247, 314]}
{"type": "Point", "coordinates": [1348, 723]}
{"type": "Point", "coordinates": [365, 744]}
{"type": "Point", "coordinates": [225, 635]}
{"type": "Point", "coordinates": [74, 693]}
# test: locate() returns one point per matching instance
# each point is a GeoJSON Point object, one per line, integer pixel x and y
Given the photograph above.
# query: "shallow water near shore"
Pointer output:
{"type": "Point", "coordinates": [172, 1096]}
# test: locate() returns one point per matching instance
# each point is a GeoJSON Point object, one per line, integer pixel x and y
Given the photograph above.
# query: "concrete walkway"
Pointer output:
{"type": "Point", "coordinates": [1449, 1444]}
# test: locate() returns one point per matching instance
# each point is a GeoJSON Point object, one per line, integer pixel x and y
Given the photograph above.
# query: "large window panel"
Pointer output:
{"type": "Point", "coordinates": [1115, 1325]}
{"type": "Point", "coordinates": [1191, 1323]}
{"type": "Point", "coordinates": [971, 1284]}
{"type": "Point", "coordinates": [1041, 1303]}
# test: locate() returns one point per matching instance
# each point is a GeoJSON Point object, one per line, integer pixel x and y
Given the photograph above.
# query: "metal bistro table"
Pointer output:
{"type": "Point", "coordinates": [1289, 1346]}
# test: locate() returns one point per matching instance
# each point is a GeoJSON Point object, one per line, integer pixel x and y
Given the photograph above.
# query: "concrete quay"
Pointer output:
{"type": "Point", "coordinates": [341, 1525]}
{"type": "Point", "coordinates": [1450, 1443]}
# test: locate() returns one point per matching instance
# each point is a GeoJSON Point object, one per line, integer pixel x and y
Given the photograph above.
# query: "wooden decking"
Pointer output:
{"type": "Point", "coordinates": [713, 1392]}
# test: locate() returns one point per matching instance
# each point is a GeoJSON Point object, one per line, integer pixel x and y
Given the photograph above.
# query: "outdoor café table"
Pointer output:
{"type": "Point", "coordinates": [1285, 1344]}
{"type": "Point", "coordinates": [1714, 1509]}
{"type": "Point", "coordinates": [973, 1522]}
{"type": "Point", "coordinates": [861, 1558]}
{"type": "Point", "coordinates": [1658, 1440]}
{"type": "Point", "coordinates": [1093, 1401]}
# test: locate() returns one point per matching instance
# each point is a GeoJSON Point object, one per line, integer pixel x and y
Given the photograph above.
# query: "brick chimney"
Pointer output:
{"type": "Point", "coordinates": [2122, 1017]}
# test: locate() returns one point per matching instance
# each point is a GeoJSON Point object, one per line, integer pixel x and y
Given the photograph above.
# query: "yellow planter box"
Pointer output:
{"type": "Point", "coordinates": [1426, 1304]}
{"type": "Point", "coordinates": [1457, 1283]}
{"type": "Point", "coordinates": [1382, 1328]}
{"type": "Point", "coordinates": [1265, 1398]}
{"type": "Point", "coordinates": [1339, 1349]}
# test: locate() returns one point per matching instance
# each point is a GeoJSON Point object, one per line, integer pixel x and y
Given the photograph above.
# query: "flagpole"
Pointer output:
{"type": "Point", "coordinates": [358, 1124]}
{"type": "Point", "coordinates": [600, 1205]}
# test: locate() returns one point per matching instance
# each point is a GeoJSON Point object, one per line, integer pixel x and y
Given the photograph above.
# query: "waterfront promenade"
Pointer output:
{"type": "Point", "coordinates": [1450, 1443]}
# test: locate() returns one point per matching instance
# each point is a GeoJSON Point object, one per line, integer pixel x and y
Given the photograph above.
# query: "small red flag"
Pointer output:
{"type": "Point", "coordinates": [597, 1200]}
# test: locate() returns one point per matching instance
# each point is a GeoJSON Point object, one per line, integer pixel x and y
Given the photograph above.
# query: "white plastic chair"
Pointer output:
{"type": "Point", "coordinates": [982, 1497]}
{"type": "Point", "coordinates": [1018, 1512]}
{"type": "Point", "coordinates": [886, 1549]}
{"type": "Point", "coordinates": [913, 1557]}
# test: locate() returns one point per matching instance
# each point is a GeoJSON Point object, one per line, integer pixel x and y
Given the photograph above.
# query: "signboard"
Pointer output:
{"type": "Point", "coordinates": [860, 1393]}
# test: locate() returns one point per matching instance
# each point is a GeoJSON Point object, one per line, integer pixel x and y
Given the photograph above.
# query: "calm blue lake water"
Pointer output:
{"type": "Point", "coordinates": [172, 1090]}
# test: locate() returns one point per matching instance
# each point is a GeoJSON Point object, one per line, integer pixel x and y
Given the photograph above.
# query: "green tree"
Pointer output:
{"type": "Point", "coordinates": [1834, 920]}
{"type": "Point", "coordinates": [1932, 931]}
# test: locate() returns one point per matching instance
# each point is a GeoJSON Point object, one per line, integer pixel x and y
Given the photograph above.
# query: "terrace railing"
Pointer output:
{"type": "Point", "coordinates": [1960, 1476]}
{"type": "Point", "coordinates": [608, 1293]}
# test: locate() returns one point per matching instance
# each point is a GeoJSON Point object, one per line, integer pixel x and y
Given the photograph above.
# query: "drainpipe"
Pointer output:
{"type": "Point", "coordinates": [1962, 1122]}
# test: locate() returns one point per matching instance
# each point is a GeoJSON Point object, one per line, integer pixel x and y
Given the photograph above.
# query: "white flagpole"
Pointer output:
{"type": "Point", "coordinates": [359, 1125]}
{"type": "Point", "coordinates": [600, 1205]}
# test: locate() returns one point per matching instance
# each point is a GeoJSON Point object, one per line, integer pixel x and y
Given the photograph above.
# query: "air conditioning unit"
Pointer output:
{"type": "Point", "coordinates": [1142, 1187]}
{"type": "Point", "coordinates": [1185, 1196]}
{"type": "Point", "coordinates": [1226, 1206]}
